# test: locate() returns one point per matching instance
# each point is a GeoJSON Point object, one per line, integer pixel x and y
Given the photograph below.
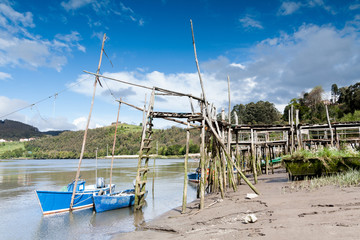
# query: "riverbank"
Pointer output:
{"type": "Point", "coordinates": [282, 212]}
{"type": "Point", "coordinates": [191, 155]}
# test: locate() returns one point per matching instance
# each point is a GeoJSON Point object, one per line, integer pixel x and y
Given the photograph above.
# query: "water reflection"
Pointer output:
{"type": "Point", "coordinates": [19, 208]}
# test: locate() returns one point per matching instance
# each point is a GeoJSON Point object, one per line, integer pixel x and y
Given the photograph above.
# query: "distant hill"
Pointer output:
{"type": "Point", "coordinates": [68, 144]}
{"type": "Point", "coordinates": [14, 130]}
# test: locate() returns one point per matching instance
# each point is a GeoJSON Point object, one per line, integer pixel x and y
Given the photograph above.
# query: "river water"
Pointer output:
{"type": "Point", "coordinates": [20, 213]}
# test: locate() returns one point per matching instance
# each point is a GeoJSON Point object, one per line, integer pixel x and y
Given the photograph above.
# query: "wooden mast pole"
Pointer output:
{"type": "Point", "coordinates": [87, 125]}
{"type": "Point", "coordinates": [113, 149]}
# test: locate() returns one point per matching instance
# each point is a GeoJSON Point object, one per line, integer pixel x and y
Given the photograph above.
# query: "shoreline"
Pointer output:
{"type": "Point", "coordinates": [281, 210]}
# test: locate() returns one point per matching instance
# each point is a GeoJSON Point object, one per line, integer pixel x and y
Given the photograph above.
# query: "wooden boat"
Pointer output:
{"type": "Point", "coordinates": [194, 177]}
{"type": "Point", "coordinates": [52, 202]}
{"type": "Point", "coordinates": [115, 200]}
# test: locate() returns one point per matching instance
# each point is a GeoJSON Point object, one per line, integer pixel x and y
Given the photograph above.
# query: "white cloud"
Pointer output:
{"type": "Point", "coordinates": [7, 12]}
{"type": "Point", "coordinates": [288, 8]}
{"type": "Point", "coordinates": [103, 8]}
{"type": "Point", "coordinates": [8, 106]}
{"type": "Point", "coordinates": [238, 65]}
{"type": "Point", "coordinates": [48, 124]}
{"type": "Point", "coordinates": [4, 76]}
{"type": "Point", "coordinates": [75, 4]}
{"type": "Point", "coordinates": [80, 123]}
{"type": "Point", "coordinates": [277, 70]}
{"type": "Point", "coordinates": [249, 22]}
{"type": "Point", "coordinates": [21, 48]}
{"type": "Point", "coordinates": [354, 6]}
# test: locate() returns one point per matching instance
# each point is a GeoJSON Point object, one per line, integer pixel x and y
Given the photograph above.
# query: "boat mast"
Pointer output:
{"type": "Point", "coordinates": [87, 125]}
{"type": "Point", "coordinates": [113, 149]}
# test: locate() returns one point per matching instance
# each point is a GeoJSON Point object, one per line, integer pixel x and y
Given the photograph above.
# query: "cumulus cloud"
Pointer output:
{"type": "Point", "coordinates": [19, 47]}
{"type": "Point", "coordinates": [278, 70]}
{"type": "Point", "coordinates": [52, 123]}
{"type": "Point", "coordinates": [283, 67]}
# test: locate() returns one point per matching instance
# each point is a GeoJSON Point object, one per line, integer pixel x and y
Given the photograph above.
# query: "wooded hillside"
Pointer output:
{"type": "Point", "coordinates": [13, 130]}
{"type": "Point", "coordinates": [68, 144]}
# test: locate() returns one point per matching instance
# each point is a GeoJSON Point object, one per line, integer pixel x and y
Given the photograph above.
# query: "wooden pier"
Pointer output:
{"type": "Point", "coordinates": [228, 150]}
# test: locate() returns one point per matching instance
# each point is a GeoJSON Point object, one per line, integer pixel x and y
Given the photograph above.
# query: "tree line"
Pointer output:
{"type": "Point", "coordinates": [343, 106]}
{"type": "Point", "coordinates": [67, 145]}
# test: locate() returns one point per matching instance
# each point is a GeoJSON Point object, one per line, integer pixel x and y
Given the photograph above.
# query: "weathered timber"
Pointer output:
{"type": "Point", "coordinates": [87, 126]}
{"type": "Point", "coordinates": [174, 115]}
{"type": "Point", "coordinates": [113, 149]}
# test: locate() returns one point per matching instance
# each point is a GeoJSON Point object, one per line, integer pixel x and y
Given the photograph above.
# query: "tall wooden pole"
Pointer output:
{"type": "Point", "coordinates": [113, 149]}
{"type": "Point", "coordinates": [202, 159]}
{"type": "Point", "coordinates": [253, 156]}
{"type": "Point", "coordinates": [292, 129]}
{"type": "Point", "coordinates": [197, 64]}
{"type": "Point", "coordinates": [87, 126]}
{"type": "Point", "coordinates": [229, 117]}
{"type": "Point", "coordinates": [331, 131]}
{"type": "Point", "coordinates": [298, 131]}
{"type": "Point", "coordinates": [186, 169]}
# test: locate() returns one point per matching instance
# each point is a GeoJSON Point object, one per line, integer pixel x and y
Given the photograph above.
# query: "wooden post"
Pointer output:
{"type": "Point", "coordinates": [113, 149]}
{"type": "Point", "coordinates": [222, 145]}
{"type": "Point", "coordinates": [266, 154]}
{"type": "Point", "coordinates": [202, 159]}
{"type": "Point", "coordinates": [87, 127]}
{"type": "Point", "coordinates": [331, 131]}
{"type": "Point", "coordinates": [186, 169]}
{"type": "Point", "coordinates": [292, 129]}
{"type": "Point", "coordinates": [221, 181]}
{"type": "Point", "coordinates": [238, 158]}
{"type": "Point", "coordinates": [230, 170]}
{"type": "Point", "coordinates": [298, 133]}
{"type": "Point", "coordinates": [253, 156]}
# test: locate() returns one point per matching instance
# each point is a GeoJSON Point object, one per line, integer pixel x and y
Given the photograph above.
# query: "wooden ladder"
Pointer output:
{"type": "Point", "coordinates": [144, 156]}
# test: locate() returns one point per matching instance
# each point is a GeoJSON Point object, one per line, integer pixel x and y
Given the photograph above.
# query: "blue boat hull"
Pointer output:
{"type": "Point", "coordinates": [194, 177]}
{"type": "Point", "coordinates": [113, 201]}
{"type": "Point", "coordinates": [56, 202]}
{"type": "Point", "coordinates": [59, 201]}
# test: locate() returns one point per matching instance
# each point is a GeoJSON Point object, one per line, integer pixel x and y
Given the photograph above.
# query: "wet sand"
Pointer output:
{"type": "Point", "coordinates": [282, 213]}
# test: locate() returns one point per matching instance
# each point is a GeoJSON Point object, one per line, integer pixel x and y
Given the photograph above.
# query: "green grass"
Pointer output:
{"type": "Point", "coordinates": [9, 146]}
{"type": "Point", "coordinates": [324, 153]}
{"type": "Point", "coordinates": [344, 179]}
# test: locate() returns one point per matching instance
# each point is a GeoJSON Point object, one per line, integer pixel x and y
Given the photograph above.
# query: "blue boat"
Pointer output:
{"type": "Point", "coordinates": [116, 200]}
{"type": "Point", "coordinates": [194, 177]}
{"type": "Point", "coordinates": [52, 202]}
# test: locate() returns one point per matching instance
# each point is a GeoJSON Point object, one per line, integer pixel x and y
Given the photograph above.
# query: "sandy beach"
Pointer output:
{"type": "Point", "coordinates": [282, 212]}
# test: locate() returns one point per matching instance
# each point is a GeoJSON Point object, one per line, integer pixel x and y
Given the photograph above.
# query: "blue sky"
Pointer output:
{"type": "Point", "coordinates": [271, 50]}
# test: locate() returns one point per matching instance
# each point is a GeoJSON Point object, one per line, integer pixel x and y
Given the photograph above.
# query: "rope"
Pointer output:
{"type": "Point", "coordinates": [44, 99]}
